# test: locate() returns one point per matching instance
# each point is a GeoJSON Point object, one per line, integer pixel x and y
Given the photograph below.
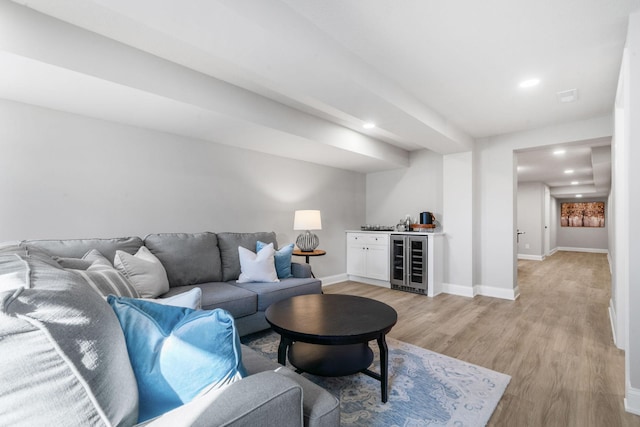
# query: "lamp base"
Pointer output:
{"type": "Point", "coordinates": [307, 241]}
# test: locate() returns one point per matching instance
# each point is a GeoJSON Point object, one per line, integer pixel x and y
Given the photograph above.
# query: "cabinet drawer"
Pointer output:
{"type": "Point", "coordinates": [367, 239]}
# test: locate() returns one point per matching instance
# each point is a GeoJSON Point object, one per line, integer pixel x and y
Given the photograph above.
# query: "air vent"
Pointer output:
{"type": "Point", "coordinates": [570, 95]}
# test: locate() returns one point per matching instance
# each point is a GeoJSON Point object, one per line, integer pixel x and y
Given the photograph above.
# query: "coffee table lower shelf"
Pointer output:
{"type": "Point", "coordinates": [330, 360]}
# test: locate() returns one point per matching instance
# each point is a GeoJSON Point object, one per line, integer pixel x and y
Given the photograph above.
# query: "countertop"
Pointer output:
{"type": "Point", "coordinates": [411, 233]}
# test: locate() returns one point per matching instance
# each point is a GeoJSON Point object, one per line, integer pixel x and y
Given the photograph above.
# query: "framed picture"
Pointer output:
{"type": "Point", "coordinates": [582, 214]}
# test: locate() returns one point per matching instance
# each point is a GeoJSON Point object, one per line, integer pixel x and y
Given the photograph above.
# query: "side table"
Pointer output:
{"type": "Point", "coordinates": [316, 252]}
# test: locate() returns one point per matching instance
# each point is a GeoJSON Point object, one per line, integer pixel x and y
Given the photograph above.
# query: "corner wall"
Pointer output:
{"type": "Point", "coordinates": [496, 252]}
{"type": "Point", "coordinates": [393, 194]}
{"type": "Point", "coordinates": [627, 203]}
{"type": "Point", "coordinates": [68, 176]}
{"type": "Point", "coordinates": [458, 223]}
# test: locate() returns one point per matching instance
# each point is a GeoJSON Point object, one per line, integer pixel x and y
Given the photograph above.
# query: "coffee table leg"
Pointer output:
{"type": "Point", "coordinates": [384, 367]}
{"type": "Point", "coordinates": [282, 350]}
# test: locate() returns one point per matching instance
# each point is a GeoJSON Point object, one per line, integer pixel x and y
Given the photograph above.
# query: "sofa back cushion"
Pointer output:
{"type": "Point", "coordinates": [64, 358]}
{"type": "Point", "coordinates": [229, 243]}
{"type": "Point", "coordinates": [76, 248]}
{"type": "Point", "coordinates": [189, 259]}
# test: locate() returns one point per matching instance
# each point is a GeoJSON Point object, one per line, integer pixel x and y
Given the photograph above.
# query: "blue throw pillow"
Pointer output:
{"type": "Point", "coordinates": [177, 352]}
{"type": "Point", "coordinates": [282, 259]}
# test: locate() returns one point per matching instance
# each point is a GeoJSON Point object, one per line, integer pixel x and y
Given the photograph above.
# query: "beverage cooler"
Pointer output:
{"type": "Point", "coordinates": [409, 265]}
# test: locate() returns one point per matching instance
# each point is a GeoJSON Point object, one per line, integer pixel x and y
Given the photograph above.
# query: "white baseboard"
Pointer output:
{"type": "Point", "coordinates": [632, 400]}
{"type": "Point", "coordinates": [447, 288]}
{"type": "Point", "coordinates": [610, 262]}
{"type": "Point", "coordinates": [490, 291]}
{"type": "Point", "coordinates": [453, 289]}
{"type": "Point", "coordinates": [332, 280]}
{"type": "Point", "coordinates": [592, 250]}
{"type": "Point", "coordinates": [531, 257]}
{"type": "Point", "coordinates": [375, 282]}
{"type": "Point", "coordinates": [613, 319]}
{"type": "Point", "coordinates": [552, 251]}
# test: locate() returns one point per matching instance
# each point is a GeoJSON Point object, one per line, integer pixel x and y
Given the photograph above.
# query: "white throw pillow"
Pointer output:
{"type": "Point", "coordinates": [190, 299]}
{"type": "Point", "coordinates": [258, 267]}
{"type": "Point", "coordinates": [144, 271]}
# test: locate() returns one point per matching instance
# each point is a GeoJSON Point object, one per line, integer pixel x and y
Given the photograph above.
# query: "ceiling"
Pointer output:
{"type": "Point", "coordinates": [299, 78]}
{"type": "Point", "coordinates": [569, 170]}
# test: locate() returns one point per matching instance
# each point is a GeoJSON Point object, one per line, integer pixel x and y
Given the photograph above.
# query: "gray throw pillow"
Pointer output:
{"type": "Point", "coordinates": [145, 272]}
{"type": "Point", "coordinates": [106, 280]}
{"type": "Point", "coordinates": [73, 263]}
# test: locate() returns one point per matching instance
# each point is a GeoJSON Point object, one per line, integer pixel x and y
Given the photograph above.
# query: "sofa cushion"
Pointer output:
{"type": "Point", "coordinates": [57, 322]}
{"type": "Point", "coordinates": [319, 406]}
{"type": "Point", "coordinates": [268, 293]}
{"type": "Point", "coordinates": [237, 301]}
{"type": "Point", "coordinates": [144, 270]}
{"type": "Point", "coordinates": [229, 243]}
{"type": "Point", "coordinates": [257, 267]}
{"type": "Point", "coordinates": [76, 248]}
{"type": "Point", "coordinates": [177, 353]}
{"type": "Point", "coordinates": [282, 258]}
{"type": "Point", "coordinates": [189, 259]}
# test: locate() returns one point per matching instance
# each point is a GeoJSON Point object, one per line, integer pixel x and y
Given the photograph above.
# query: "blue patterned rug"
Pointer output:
{"type": "Point", "coordinates": [426, 388]}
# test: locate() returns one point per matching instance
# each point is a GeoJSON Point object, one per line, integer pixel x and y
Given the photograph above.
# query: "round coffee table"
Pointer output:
{"type": "Point", "coordinates": [328, 335]}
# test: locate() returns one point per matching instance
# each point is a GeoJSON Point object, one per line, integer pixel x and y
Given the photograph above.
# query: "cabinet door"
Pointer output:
{"type": "Point", "coordinates": [377, 262]}
{"type": "Point", "coordinates": [356, 253]}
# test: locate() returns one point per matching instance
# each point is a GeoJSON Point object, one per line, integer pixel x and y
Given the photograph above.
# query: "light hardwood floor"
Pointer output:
{"type": "Point", "coordinates": [555, 340]}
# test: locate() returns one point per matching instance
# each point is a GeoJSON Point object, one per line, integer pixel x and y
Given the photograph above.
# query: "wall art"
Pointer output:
{"type": "Point", "coordinates": [582, 214]}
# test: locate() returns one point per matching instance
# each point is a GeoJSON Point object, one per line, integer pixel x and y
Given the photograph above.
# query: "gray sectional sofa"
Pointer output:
{"type": "Point", "coordinates": [205, 260]}
{"type": "Point", "coordinates": [65, 361]}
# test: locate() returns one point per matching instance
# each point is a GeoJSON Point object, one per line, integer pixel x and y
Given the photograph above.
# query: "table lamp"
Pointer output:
{"type": "Point", "coordinates": [307, 220]}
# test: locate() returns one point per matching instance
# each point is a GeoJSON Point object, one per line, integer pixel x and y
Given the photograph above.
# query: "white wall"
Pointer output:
{"type": "Point", "coordinates": [393, 194]}
{"type": "Point", "coordinates": [530, 220]}
{"type": "Point", "coordinates": [626, 184]}
{"type": "Point", "coordinates": [495, 247]}
{"type": "Point", "coordinates": [458, 223]}
{"type": "Point", "coordinates": [582, 238]}
{"type": "Point", "coordinates": [633, 355]}
{"type": "Point", "coordinates": [68, 176]}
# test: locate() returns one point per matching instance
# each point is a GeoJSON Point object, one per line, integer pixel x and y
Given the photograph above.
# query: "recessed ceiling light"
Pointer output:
{"type": "Point", "coordinates": [578, 195]}
{"type": "Point", "coordinates": [558, 152]}
{"type": "Point", "coordinates": [369, 125]}
{"type": "Point", "coordinates": [574, 182]}
{"type": "Point", "coordinates": [529, 83]}
{"type": "Point", "coordinates": [568, 171]}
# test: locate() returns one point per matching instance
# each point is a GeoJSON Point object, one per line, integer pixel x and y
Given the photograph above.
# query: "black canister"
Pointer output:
{"type": "Point", "coordinates": [426, 218]}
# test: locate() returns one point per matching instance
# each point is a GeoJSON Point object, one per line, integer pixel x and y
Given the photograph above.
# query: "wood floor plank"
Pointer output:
{"type": "Point", "coordinates": [555, 340]}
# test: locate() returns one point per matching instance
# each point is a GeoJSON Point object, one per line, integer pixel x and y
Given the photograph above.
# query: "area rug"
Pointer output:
{"type": "Point", "coordinates": [426, 388]}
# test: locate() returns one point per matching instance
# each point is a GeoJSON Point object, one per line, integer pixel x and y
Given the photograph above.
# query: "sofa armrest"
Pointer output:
{"type": "Point", "coordinates": [266, 396]}
{"type": "Point", "coordinates": [301, 271]}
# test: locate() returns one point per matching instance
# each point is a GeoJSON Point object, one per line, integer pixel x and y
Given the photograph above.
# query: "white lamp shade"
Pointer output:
{"type": "Point", "coordinates": [307, 220]}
